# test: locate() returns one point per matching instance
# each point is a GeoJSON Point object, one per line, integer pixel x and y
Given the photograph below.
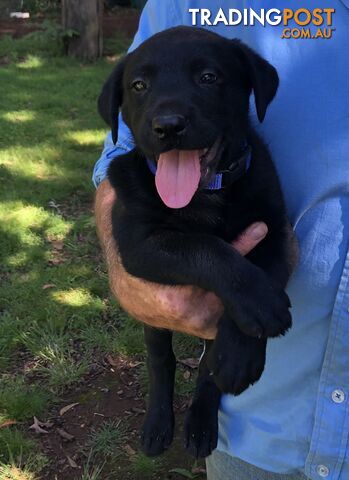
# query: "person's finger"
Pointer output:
{"type": "Point", "coordinates": [250, 237]}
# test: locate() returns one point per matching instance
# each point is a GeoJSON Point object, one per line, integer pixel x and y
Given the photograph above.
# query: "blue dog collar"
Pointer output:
{"type": "Point", "coordinates": [226, 177]}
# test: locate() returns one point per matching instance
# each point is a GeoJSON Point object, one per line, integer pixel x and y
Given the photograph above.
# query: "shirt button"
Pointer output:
{"type": "Point", "coordinates": [322, 470]}
{"type": "Point", "coordinates": [338, 396]}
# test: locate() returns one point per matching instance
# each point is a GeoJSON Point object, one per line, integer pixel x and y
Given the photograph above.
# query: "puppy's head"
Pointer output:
{"type": "Point", "coordinates": [184, 94]}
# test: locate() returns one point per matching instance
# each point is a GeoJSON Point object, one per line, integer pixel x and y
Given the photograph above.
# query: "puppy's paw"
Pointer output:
{"type": "Point", "coordinates": [238, 364]}
{"type": "Point", "coordinates": [157, 432]}
{"type": "Point", "coordinates": [262, 310]}
{"type": "Point", "coordinates": [201, 429]}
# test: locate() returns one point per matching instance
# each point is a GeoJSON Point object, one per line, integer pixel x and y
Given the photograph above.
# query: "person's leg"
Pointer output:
{"type": "Point", "coordinates": [221, 466]}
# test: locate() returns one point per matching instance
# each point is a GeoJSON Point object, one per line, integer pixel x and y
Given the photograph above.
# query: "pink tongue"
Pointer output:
{"type": "Point", "coordinates": [177, 177]}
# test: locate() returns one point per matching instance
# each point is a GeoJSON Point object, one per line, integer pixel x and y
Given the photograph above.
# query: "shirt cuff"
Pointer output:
{"type": "Point", "coordinates": [110, 151]}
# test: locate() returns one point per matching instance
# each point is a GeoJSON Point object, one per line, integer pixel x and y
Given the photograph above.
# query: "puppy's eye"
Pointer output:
{"type": "Point", "coordinates": [208, 78]}
{"type": "Point", "coordinates": [139, 86]}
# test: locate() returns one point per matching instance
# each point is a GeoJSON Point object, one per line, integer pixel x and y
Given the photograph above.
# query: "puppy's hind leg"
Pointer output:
{"type": "Point", "coordinates": [158, 426]}
{"type": "Point", "coordinates": [201, 425]}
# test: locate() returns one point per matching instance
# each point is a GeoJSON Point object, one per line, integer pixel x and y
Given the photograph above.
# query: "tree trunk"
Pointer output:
{"type": "Point", "coordinates": [85, 17]}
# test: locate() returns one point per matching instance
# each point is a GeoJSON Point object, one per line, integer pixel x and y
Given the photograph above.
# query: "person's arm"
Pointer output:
{"type": "Point", "coordinates": [187, 309]}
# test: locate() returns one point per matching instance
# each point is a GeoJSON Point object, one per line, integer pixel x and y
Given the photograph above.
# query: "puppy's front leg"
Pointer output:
{"type": "Point", "coordinates": [158, 426]}
{"type": "Point", "coordinates": [208, 262]}
{"type": "Point", "coordinates": [235, 360]}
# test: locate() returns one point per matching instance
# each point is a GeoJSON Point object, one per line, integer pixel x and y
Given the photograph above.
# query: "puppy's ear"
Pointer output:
{"type": "Point", "coordinates": [263, 77]}
{"type": "Point", "coordinates": [110, 98]}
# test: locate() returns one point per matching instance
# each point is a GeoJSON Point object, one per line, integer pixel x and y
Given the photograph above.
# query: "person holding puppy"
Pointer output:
{"type": "Point", "coordinates": [294, 422]}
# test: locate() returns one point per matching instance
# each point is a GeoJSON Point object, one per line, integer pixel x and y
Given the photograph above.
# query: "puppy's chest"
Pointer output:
{"type": "Point", "coordinates": [210, 214]}
{"type": "Point", "coordinates": [197, 220]}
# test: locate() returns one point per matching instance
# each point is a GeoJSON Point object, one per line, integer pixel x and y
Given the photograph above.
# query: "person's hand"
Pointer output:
{"type": "Point", "coordinates": [187, 309]}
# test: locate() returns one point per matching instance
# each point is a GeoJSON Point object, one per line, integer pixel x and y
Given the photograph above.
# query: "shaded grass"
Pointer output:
{"type": "Point", "coordinates": [20, 401]}
{"type": "Point", "coordinates": [53, 286]}
{"type": "Point", "coordinates": [14, 445]}
{"type": "Point", "coordinates": [92, 472]}
{"type": "Point", "coordinates": [19, 456]}
{"type": "Point", "coordinates": [107, 440]}
{"type": "Point", "coordinates": [145, 466]}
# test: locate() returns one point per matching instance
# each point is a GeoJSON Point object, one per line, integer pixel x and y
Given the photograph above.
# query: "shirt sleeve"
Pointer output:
{"type": "Point", "coordinates": [157, 15]}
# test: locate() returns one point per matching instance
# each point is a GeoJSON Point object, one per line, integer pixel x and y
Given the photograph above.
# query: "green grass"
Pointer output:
{"type": "Point", "coordinates": [107, 439]}
{"type": "Point", "coordinates": [52, 283]}
{"type": "Point", "coordinates": [19, 456]}
{"type": "Point", "coordinates": [92, 472]}
{"type": "Point", "coordinates": [14, 445]}
{"type": "Point", "coordinates": [21, 401]}
{"type": "Point", "coordinates": [145, 466]}
{"type": "Point", "coordinates": [54, 296]}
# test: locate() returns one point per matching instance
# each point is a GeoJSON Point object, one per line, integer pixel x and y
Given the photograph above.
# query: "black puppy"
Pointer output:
{"type": "Point", "coordinates": [199, 175]}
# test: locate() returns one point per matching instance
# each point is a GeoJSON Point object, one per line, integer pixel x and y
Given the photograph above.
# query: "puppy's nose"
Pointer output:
{"type": "Point", "coordinates": [168, 125]}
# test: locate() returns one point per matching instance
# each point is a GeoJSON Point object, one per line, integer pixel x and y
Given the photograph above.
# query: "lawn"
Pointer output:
{"type": "Point", "coordinates": [63, 339]}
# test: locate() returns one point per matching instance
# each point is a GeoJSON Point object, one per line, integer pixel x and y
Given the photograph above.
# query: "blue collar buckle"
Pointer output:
{"type": "Point", "coordinates": [236, 170]}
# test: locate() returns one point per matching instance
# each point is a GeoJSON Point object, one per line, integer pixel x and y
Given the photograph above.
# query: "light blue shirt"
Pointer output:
{"type": "Point", "coordinates": [297, 416]}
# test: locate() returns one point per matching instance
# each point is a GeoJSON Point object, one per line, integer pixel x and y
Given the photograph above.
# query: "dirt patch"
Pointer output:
{"type": "Point", "coordinates": [113, 395]}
